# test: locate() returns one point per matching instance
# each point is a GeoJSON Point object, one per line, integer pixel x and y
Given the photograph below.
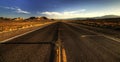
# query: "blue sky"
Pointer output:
{"type": "Point", "coordinates": [59, 8]}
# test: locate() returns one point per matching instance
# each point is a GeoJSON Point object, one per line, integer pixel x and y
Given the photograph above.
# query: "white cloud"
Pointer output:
{"type": "Point", "coordinates": [12, 8]}
{"type": "Point", "coordinates": [16, 9]}
{"type": "Point", "coordinates": [80, 13]}
{"type": "Point", "coordinates": [51, 13]}
{"type": "Point", "coordinates": [66, 14]}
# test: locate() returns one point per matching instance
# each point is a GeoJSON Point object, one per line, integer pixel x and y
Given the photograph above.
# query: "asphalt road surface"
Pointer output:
{"type": "Point", "coordinates": [80, 45]}
{"type": "Point", "coordinates": [33, 47]}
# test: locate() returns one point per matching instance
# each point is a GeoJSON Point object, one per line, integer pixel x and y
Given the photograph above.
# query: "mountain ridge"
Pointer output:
{"type": "Point", "coordinates": [100, 17]}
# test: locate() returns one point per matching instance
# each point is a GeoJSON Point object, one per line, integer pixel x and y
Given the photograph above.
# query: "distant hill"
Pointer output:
{"type": "Point", "coordinates": [107, 16]}
{"type": "Point", "coordinates": [102, 17]}
{"type": "Point", "coordinates": [42, 18]}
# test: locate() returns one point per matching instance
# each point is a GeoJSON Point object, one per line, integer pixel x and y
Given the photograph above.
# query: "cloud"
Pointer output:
{"type": "Point", "coordinates": [10, 8]}
{"type": "Point", "coordinates": [16, 9]}
{"type": "Point", "coordinates": [66, 14]}
{"type": "Point", "coordinates": [51, 13]}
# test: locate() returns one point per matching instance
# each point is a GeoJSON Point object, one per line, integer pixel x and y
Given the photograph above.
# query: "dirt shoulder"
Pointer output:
{"type": "Point", "coordinates": [11, 33]}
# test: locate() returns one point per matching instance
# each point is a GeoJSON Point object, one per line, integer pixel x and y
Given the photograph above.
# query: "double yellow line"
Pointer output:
{"type": "Point", "coordinates": [60, 52]}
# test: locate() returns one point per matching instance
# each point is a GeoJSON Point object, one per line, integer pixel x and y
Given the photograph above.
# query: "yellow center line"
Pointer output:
{"type": "Point", "coordinates": [64, 55]}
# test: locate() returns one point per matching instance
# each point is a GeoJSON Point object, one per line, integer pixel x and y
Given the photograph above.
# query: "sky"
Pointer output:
{"type": "Point", "coordinates": [59, 9]}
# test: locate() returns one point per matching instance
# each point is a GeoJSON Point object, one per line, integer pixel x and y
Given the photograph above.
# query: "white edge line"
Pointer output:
{"type": "Point", "coordinates": [112, 38]}
{"type": "Point", "coordinates": [106, 36]}
{"type": "Point", "coordinates": [22, 34]}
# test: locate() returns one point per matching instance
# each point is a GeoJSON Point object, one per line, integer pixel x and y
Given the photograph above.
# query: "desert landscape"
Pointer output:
{"type": "Point", "coordinates": [60, 31]}
{"type": "Point", "coordinates": [11, 27]}
{"type": "Point", "coordinates": [98, 35]}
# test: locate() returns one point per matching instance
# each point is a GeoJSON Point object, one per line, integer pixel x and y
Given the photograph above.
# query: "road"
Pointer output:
{"type": "Point", "coordinates": [33, 47]}
{"type": "Point", "coordinates": [80, 45]}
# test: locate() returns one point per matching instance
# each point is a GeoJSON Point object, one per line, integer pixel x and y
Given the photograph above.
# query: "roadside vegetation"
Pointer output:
{"type": "Point", "coordinates": [8, 24]}
{"type": "Point", "coordinates": [109, 27]}
{"type": "Point", "coordinates": [112, 23]}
